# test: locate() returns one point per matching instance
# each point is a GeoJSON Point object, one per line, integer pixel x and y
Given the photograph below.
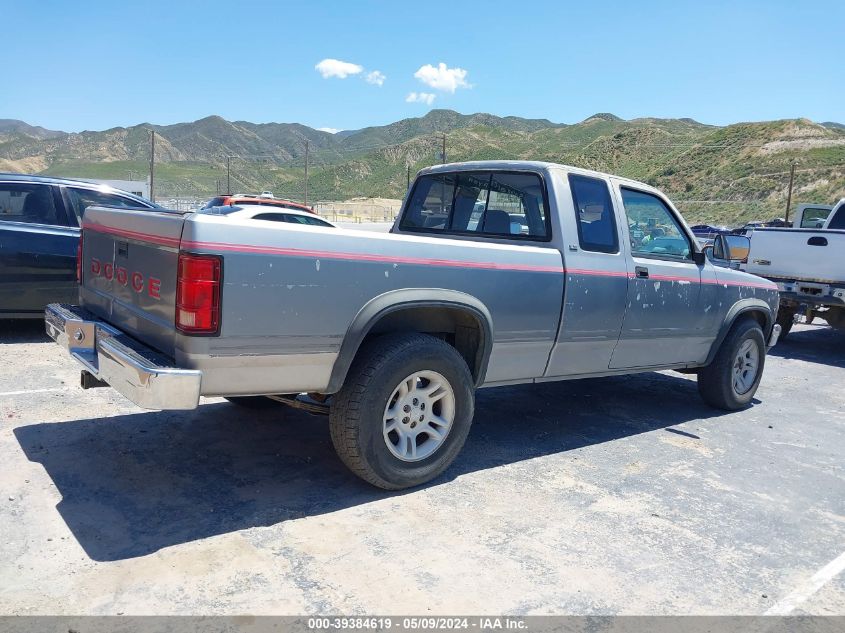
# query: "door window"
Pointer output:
{"type": "Point", "coordinates": [653, 228]}
{"type": "Point", "coordinates": [594, 211]}
{"type": "Point", "coordinates": [30, 203]}
{"type": "Point", "coordinates": [81, 199]}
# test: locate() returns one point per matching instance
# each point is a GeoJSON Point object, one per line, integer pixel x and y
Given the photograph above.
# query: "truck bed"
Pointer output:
{"type": "Point", "coordinates": [276, 277]}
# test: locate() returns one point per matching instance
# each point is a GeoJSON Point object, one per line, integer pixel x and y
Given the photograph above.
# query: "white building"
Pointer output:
{"type": "Point", "coordinates": [136, 187]}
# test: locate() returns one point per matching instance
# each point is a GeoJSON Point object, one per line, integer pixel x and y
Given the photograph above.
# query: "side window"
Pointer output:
{"type": "Point", "coordinates": [31, 203]}
{"type": "Point", "coordinates": [516, 206]}
{"type": "Point", "coordinates": [291, 219]}
{"type": "Point", "coordinates": [272, 217]}
{"type": "Point", "coordinates": [305, 219]}
{"type": "Point", "coordinates": [497, 204]}
{"type": "Point", "coordinates": [430, 206]}
{"type": "Point", "coordinates": [594, 210]}
{"type": "Point", "coordinates": [471, 192]}
{"type": "Point", "coordinates": [81, 199]}
{"type": "Point", "coordinates": [653, 228]}
{"type": "Point", "coordinates": [814, 218]}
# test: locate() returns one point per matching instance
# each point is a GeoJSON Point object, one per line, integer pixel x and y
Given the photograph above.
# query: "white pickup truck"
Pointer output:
{"type": "Point", "coordinates": [808, 265]}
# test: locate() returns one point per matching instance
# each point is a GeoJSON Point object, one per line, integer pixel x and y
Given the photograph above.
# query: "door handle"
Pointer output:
{"type": "Point", "coordinates": [642, 272]}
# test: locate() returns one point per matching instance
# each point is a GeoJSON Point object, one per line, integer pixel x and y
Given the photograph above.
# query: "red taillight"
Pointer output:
{"type": "Point", "coordinates": [79, 260]}
{"type": "Point", "coordinates": [198, 294]}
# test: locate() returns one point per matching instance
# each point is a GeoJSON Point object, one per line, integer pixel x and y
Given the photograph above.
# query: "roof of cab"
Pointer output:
{"type": "Point", "coordinates": [525, 165]}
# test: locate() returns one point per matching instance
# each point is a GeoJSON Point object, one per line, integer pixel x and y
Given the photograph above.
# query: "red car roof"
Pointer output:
{"type": "Point", "coordinates": [270, 202]}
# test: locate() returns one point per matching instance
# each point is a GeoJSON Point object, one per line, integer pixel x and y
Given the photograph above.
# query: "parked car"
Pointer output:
{"type": "Point", "coordinates": [391, 334]}
{"type": "Point", "coordinates": [39, 234]}
{"type": "Point", "coordinates": [808, 266]}
{"type": "Point", "coordinates": [270, 201]}
{"type": "Point", "coordinates": [748, 227]}
{"type": "Point", "coordinates": [274, 214]}
{"type": "Point", "coordinates": [708, 231]}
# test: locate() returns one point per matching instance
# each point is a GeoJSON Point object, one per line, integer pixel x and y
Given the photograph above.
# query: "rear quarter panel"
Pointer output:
{"type": "Point", "coordinates": [291, 292]}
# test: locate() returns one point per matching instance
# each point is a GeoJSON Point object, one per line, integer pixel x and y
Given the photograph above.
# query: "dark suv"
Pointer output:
{"type": "Point", "coordinates": [39, 232]}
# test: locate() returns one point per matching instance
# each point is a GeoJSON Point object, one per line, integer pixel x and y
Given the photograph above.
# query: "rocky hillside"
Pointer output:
{"type": "Point", "coordinates": [726, 174]}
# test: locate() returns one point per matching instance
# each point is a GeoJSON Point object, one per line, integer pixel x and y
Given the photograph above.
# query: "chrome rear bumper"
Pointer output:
{"type": "Point", "coordinates": [137, 372]}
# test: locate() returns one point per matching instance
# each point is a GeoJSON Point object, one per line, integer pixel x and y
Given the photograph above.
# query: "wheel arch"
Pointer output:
{"type": "Point", "coordinates": [425, 310]}
{"type": "Point", "coordinates": [754, 308]}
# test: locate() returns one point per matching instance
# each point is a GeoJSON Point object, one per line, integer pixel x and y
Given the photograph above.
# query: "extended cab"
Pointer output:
{"type": "Point", "coordinates": [495, 273]}
{"type": "Point", "coordinates": [808, 266]}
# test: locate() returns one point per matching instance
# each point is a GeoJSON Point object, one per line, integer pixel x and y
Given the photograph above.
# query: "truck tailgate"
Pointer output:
{"type": "Point", "coordinates": [129, 268]}
{"type": "Point", "coordinates": [798, 254]}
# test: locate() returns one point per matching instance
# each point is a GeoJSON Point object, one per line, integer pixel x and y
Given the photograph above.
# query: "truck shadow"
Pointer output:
{"type": "Point", "coordinates": [814, 344]}
{"type": "Point", "coordinates": [133, 484]}
{"type": "Point", "coordinates": [23, 331]}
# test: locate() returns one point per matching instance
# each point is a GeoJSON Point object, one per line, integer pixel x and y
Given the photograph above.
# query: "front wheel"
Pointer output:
{"type": "Point", "coordinates": [404, 411]}
{"type": "Point", "coordinates": [731, 380]}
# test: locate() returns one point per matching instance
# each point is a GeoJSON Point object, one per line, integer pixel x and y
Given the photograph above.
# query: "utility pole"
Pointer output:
{"type": "Point", "coordinates": [443, 154]}
{"type": "Point", "coordinates": [228, 177]}
{"type": "Point", "coordinates": [408, 185]}
{"type": "Point", "coordinates": [306, 173]}
{"type": "Point", "coordinates": [789, 194]}
{"type": "Point", "coordinates": [152, 164]}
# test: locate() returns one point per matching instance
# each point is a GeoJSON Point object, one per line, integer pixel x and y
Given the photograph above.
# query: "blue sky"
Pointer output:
{"type": "Point", "coordinates": [95, 65]}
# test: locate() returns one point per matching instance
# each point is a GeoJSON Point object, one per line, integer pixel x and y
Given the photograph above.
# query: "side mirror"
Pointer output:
{"type": "Point", "coordinates": [736, 247]}
{"type": "Point", "coordinates": [730, 247]}
{"type": "Point", "coordinates": [708, 251]}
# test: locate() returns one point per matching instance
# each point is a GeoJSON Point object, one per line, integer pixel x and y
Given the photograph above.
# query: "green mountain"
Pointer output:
{"type": "Point", "coordinates": [725, 174]}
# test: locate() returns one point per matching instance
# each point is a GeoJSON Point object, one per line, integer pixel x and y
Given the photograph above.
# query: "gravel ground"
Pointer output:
{"type": "Point", "coordinates": [609, 496]}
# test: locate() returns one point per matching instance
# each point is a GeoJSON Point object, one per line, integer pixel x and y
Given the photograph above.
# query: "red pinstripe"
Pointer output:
{"type": "Point", "coordinates": [396, 259]}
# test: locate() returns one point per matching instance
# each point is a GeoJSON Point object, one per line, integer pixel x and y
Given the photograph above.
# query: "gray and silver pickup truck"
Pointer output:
{"type": "Point", "coordinates": [495, 273]}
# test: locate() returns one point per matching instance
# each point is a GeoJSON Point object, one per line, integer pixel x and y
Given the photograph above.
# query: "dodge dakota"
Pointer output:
{"type": "Point", "coordinates": [495, 273]}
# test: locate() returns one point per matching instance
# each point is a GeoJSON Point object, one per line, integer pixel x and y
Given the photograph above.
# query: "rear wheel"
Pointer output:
{"type": "Point", "coordinates": [404, 412]}
{"type": "Point", "coordinates": [731, 380]}
{"type": "Point", "coordinates": [786, 319]}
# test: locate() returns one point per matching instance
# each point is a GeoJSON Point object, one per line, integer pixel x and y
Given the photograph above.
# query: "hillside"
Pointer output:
{"type": "Point", "coordinates": [723, 174]}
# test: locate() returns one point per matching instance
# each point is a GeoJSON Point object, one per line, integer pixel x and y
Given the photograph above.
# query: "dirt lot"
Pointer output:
{"type": "Point", "coordinates": [610, 496]}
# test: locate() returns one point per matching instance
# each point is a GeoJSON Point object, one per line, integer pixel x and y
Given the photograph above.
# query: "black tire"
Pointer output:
{"type": "Point", "coordinates": [357, 413]}
{"type": "Point", "coordinates": [786, 319]}
{"type": "Point", "coordinates": [256, 403]}
{"type": "Point", "coordinates": [715, 382]}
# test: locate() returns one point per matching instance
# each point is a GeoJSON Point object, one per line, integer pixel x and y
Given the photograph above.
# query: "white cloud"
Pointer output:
{"type": "Point", "coordinates": [375, 77]}
{"type": "Point", "coordinates": [330, 130]}
{"type": "Point", "coordinates": [335, 68]}
{"type": "Point", "coordinates": [421, 97]}
{"type": "Point", "coordinates": [443, 78]}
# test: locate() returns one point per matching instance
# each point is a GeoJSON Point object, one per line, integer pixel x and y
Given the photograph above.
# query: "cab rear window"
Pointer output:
{"type": "Point", "coordinates": [496, 204]}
